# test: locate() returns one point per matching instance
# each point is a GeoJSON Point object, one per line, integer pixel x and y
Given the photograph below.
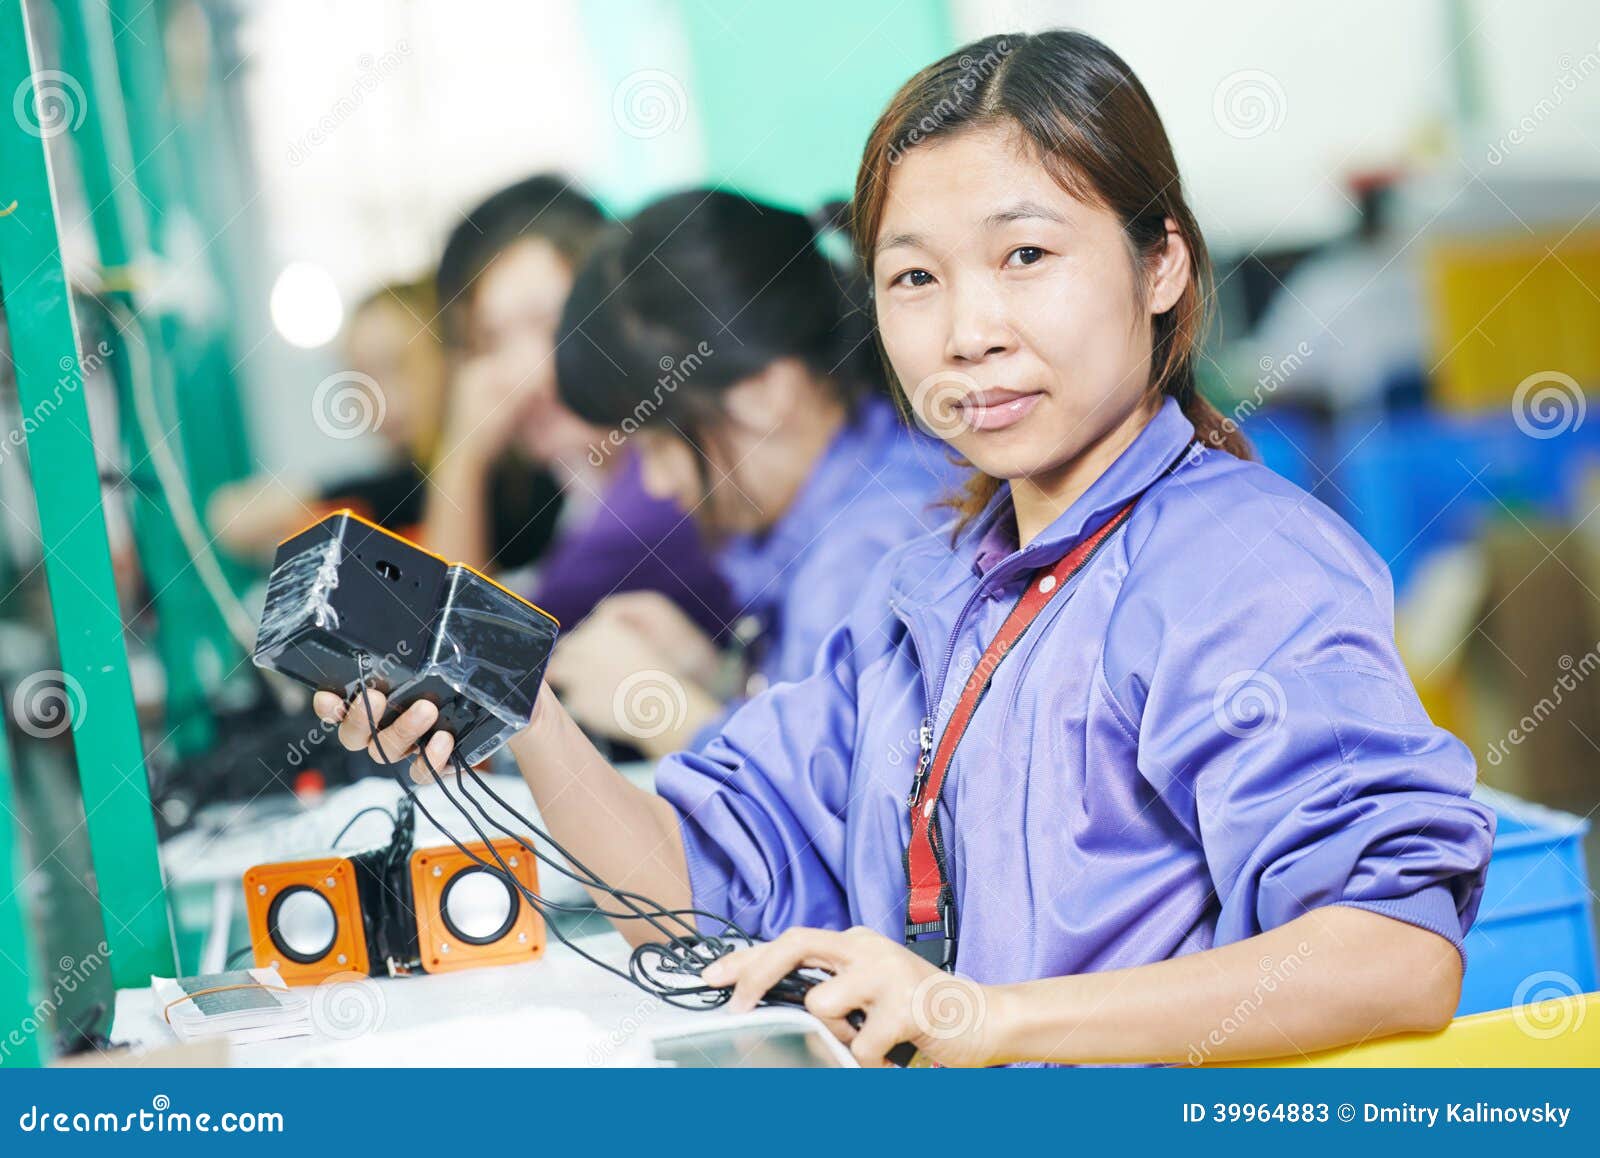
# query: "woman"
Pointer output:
{"type": "Point", "coordinates": [512, 457]}
{"type": "Point", "coordinates": [1200, 768]}
{"type": "Point", "coordinates": [389, 340]}
{"type": "Point", "coordinates": [715, 340]}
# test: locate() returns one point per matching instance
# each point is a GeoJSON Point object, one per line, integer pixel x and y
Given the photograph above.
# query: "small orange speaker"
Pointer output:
{"type": "Point", "coordinates": [468, 915]}
{"type": "Point", "coordinates": [306, 918]}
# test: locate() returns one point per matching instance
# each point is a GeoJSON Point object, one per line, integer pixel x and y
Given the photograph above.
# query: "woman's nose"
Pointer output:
{"type": "Point", "coordinates": [978, 325]}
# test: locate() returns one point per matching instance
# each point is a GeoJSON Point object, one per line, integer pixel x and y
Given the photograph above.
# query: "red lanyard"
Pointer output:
{"type": "Point", "coordinates": [930, 905]}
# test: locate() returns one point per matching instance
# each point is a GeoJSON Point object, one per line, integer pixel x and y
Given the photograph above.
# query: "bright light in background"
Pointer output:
{"type": "Point", "coordinates": [306, 306]}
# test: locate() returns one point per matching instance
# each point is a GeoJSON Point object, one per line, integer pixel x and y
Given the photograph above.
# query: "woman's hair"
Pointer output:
{"type": "Point", "coordinates": [699, 292]}
{"type": "Point", "coordinates": [416, 298]}
{"type": "Point", "coordinates": [1093, 126]}
{"type": "Point", "coordinates": [544, 207]}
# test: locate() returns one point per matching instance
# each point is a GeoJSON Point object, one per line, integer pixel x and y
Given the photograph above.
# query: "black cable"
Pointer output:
{"type": "Point", "coordinates": [591, 876]}
{"type": "Point", "coordinates": [349, 824]}
{"type": "Point", "coordinates": [639, 972]}
{"type": "Point", "coordinates": [648, 960]}
{"type": "Point", "coordinates": [238, 955]}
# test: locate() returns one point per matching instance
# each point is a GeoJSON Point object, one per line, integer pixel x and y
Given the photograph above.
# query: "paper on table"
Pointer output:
{"type": "Point", "coordinates": [241, 1005]}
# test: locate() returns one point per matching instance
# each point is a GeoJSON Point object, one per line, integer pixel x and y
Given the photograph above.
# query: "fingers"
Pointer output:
{"type": "Point", "coordinates": [395, 742]}
{"type": "Point", "coordinates": [840, 1029]}
{"type": "Point", "coordinates": [835, 998]}
{"type": "Point", "coordinates": [878, 1035]}
{"type": "Point", "coordinates": [329, 708]}
{"type": "Point", "coordinates": [438, 750]}
{"type": "Point", "coordinates": [355, 727]}
{"type": "Point", "coordinates": [751, 972]}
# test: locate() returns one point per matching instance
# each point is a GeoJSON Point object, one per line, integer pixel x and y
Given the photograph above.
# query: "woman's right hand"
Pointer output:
{"type": "Point", "coordinates": [487, 400]}
{"type": "Point", "coordinates": [398, 740]}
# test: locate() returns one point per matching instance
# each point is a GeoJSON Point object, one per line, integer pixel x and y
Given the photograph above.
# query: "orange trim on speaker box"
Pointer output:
{"type": "Point", "coordinates": [358, 517]}
{"type": "Point", "coordinates": [441, 950]}
{"type": "Point", "coordinates": [334, 880]}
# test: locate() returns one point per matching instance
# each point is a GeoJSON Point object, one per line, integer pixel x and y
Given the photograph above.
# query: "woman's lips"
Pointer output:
{"type": "Point", "coordinates": [990, 410]}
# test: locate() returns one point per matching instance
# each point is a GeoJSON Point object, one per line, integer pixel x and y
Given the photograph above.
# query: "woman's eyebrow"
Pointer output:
{"type": "Point", "coordinates": [1023, 211]}
{"type": "Point", "coordinates": [900, 240]}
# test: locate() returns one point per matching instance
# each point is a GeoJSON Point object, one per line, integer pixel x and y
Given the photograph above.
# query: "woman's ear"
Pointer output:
{"type": "Point", "coordinates": [1171, 273]}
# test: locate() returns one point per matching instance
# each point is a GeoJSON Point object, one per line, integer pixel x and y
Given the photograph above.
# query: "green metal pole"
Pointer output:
{"type": "Point", "coordinates": [22, 1042]}
{"type": "Point", "coordinates": [77, 557]}
{"type": "Point", "coordinates": [186, 625]}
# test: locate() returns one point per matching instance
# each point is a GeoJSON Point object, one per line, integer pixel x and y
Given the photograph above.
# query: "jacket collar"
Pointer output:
{"type": "Point", "coordinates": [988, 547]}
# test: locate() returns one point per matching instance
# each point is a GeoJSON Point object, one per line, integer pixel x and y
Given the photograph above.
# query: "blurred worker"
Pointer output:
{"type": "Point", "coordinates": [508, 443]}
{"type": "Point", "coordinates": [1167, 747]}
{"type": "Point", "coordinates": [389, 341]}
{"type": "Point", "coordinates": [712, 337]}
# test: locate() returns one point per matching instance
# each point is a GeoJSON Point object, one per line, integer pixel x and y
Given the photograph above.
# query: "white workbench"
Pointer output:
{"type": "Point", "coordinates": [511, 1015]}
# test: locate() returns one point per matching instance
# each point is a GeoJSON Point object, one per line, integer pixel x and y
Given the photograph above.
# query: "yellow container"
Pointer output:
{"type": "Point", "coordinates": [1506, 307]}
{"type": "Point", "coordinates": [1564, 1032]}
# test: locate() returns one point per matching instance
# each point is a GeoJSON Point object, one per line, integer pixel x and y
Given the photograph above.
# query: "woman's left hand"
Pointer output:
{"type": "Point", "coordinates": [948, 1018]}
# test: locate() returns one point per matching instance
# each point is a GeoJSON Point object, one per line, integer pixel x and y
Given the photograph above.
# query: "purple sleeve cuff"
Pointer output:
{"type": "Point", "coordinates": [1432, 908]}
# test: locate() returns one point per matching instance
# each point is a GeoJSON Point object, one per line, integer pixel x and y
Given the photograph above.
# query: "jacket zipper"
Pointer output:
{"type": "Point", "coordinates": [930, 714]}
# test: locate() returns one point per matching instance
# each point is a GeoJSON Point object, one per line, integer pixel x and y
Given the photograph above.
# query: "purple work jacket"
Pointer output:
{"type": "Point", "coordinates": [1207, 733]}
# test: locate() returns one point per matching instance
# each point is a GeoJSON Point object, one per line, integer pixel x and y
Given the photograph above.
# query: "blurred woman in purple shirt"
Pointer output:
{"type": "Point", "coordinates": [714, 338]}
{"type": "Point", "coordinates": [1199, 813]}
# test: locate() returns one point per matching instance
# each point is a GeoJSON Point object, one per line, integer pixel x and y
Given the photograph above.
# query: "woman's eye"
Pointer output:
{"type": "Point", "coordinates": [915, 278]}
{"type": "Point", "coordinates": [1024, 255]}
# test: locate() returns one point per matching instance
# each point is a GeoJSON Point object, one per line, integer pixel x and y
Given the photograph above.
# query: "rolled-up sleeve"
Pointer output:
{"type": "Point", "coordinates": [762, 804]}
{"type": "Point", "coordinates": [1277, 722]}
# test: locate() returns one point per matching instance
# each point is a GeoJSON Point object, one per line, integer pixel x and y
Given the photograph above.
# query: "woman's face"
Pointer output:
{"type": "Point", "coordinates": [1008, 308]}
{"type": "Point", "coordinates": [515, 310]}
{"type": "Point", "coordinates": [393, 348]}
{"type": "Point", "coordinates": [734, 501]}
{"type": "Point", "coordinates": [762, 446]}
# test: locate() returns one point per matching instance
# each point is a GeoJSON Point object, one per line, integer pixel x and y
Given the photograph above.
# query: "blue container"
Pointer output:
{"type": "Point", "coordinates": [1416, 482]}
{"type": "Point", "coordinates": [1534, 935]}
{"type": "Point", "coordinates": [1289, 445]}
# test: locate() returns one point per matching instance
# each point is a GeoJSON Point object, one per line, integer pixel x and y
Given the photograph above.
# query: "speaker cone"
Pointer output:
{"type": "Point", "coordinates": [478, 906]}
{"type": "Point", "coordinates": [302, 924]}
